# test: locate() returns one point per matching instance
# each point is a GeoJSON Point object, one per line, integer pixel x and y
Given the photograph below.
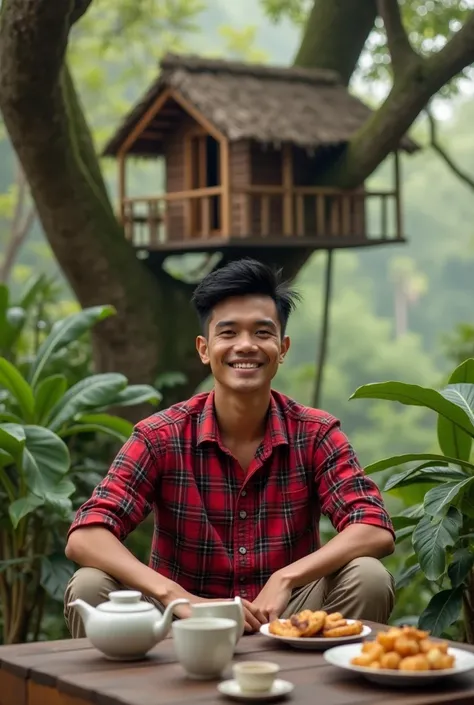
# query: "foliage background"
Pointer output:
{"type": "Point", "coordinates": [113, 57]}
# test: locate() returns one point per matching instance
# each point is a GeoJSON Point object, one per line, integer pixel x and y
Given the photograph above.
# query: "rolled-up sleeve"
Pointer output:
{"type": "Point", "coordinates": [346, 494]}
{"type": "Point", "coordinates": [124, 498]}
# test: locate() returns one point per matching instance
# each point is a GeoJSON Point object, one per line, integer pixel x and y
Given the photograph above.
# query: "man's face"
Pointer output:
{"type": "Point", "coordinates": [244, 346]}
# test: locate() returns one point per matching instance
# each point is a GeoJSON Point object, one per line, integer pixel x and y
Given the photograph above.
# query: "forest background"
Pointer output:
{"type": "Point", "coordinates": [398, 313]}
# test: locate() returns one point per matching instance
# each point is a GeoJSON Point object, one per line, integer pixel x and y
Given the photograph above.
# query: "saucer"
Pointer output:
{"type": "Point", "coordinates": [279, 688]}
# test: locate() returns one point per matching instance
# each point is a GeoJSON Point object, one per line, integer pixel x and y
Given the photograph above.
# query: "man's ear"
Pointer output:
{"type": "Point", "coordinates": [202, 348]}
{"type": "Point", "coordinates": [284, 347]}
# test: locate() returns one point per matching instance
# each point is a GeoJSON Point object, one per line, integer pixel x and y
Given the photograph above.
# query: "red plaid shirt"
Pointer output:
{"type": "Point", "coordinates": [218, 530]}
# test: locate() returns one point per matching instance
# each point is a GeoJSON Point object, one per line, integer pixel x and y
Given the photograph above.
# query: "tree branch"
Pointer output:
{"type": "Point", "coordinates": [335, 34]}
{"type": "Point", "coordinates": [401, 51]}
{"type": "Point", "coordinates": [448, 160]}
{"type": "Point", "coordinates": [79, 9]}
{"type": "Point", "coordinates": [410, 94]}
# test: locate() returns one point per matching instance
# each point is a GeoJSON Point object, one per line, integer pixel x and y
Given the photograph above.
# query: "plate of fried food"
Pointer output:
{"type": "Point", "coordinates": [315, 630]}
{"type": "Point", "coordinates": [402, 656]}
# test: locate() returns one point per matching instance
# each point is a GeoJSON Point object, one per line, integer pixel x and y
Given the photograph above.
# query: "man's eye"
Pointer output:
{"type": "Point", "coordinates": [263, 332]}
{"type": "Point", "coordinates": [227, 332]}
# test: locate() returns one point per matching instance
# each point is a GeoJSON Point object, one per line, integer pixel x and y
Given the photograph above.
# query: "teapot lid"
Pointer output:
{"type": "Point", "coordinates": [125, 601]}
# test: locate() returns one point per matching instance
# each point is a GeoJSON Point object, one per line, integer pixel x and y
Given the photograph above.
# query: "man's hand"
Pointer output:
{"type": "Point", "coordinates": [253, 616]}
{"type": "Point", "coordinates": [274, 597]}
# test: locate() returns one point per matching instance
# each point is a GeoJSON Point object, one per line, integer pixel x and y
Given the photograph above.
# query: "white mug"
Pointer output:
{"type": "Point", "coordinates": [204, 646]}
{"type": "Point", "coordinates": [227, 610]}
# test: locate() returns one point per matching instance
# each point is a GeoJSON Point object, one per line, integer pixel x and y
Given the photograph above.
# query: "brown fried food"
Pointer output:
{"type": "Point", "coordinates": [309, 623]}
{"type": "Point", "coordinates": [334, 617]}
{"type": "Point", "coordinates": [347, 630]}
{"type": "Point", "coordinates": [414, 663]}
{"type": "Point", "coordinates": [284, 628]}
{"type": "Point", "coordinates": [391, 660]}
{"type": "Point", "coordinates": [406, 647]}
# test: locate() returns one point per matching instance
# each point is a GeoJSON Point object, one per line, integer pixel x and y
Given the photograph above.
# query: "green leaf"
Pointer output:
{"type": "Point", "coordinates": [397, 460]}
{"type": "Point", "coordinates": [101, 423]}
{"type": "Point", "coordinates": [430, 539]}
{"type": "Point", "coordinates": [18, 387]}
{"type": "Point", "coordinates": [45, 460]}
{"type": "Point", "coordinates": [406, 576]}
{"type": "Point", "coordinates": [443, 610]}
{"type": "Point", "coordinates": [56, 571]}
{"type": "Point", "coordinates": [33, 288]}
{"type": "Point", "coordinates": [424, 473]}
{"type": "Point", "coordinates": [403, 533]}
{"type": "Point", "coordinates": [460, 566]}
{"type": "Point", "coordinates": [12, 440]}
{"type": "Point", "coordinates": [4, 565]}
{"type": "Point", "coordinates": [137, 394]}
{"type": "Point", "coordinates": [65, 332]}
{"type": "Point", "coordinates": [48, 393]}
{"type": "Point", "coordinates": [22, 507]}
{"type": "Point", "coordinates": [446, 493]}
{"type": "Point", "coordinates": [401, 522]}
{"type": "Point", "coordinates": [414, 395]}
{"type": "Point", "coordinates": [87, 395]}
{"type": "Point", "coordinates": [452, 439]}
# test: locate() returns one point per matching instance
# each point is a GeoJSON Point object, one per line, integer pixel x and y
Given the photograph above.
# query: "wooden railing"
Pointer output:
{"type": "Point", "coordinates": [263, 212]}
{"type": "Point", "coordinates": [320, 213]}
{"type": "Point", "coordinates": [176, 216]}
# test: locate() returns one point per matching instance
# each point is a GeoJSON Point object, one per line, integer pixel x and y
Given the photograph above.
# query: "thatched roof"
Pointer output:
{"type": "Point", "coordinates": [306, 107]}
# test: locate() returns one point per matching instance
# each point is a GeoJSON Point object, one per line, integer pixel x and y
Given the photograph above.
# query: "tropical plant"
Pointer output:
{"type": "Point", "coordinates": [441, 524]}
{"type": "Point", "coordinates": [42, 415]}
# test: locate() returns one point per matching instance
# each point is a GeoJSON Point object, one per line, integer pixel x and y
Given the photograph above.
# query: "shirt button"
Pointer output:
{"type": "Point", "coordinates": [243, 593]}
{"type": "Point", "coordinates": [242, 550]}
{"type": "Point", "coordinates": [243, 514]}
{"type": "Point", "coordinates": [244, 493]}
{"type": "Point", "coordinates": [242, 579]}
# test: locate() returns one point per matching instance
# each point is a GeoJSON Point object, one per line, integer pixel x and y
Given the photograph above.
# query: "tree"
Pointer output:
{"type": "Point", "coordinates": [67, 186]}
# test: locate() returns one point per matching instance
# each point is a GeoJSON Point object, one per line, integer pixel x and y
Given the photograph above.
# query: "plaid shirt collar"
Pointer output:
{"type": "Point", "coordinates": [275, 434]}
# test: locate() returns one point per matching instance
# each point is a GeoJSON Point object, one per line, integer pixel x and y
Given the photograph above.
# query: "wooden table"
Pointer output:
{"type": "Point", "coordinates": [72, 672]}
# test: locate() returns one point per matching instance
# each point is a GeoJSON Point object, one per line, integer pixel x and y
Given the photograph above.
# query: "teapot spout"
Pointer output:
{"type": "Point", "coordinates": [84, 609]}
{"type": "Point", "coordinates": [162, 626]}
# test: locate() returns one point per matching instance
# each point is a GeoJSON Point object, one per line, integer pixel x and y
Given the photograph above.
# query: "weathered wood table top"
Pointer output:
{"type": "Point", "coordinates": [72, 672]}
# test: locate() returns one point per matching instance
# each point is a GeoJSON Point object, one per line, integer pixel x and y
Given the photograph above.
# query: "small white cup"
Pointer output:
{"type": "Point", "coordinates": [255, 676]}
{"type": "Point", "coordinates": [204, 646]}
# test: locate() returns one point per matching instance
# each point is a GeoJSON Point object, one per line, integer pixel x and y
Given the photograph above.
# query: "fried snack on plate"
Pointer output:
{"type": "Point", "coordinates": [308, 624]}
{"type": "Point", "coordinates": [404, 649]}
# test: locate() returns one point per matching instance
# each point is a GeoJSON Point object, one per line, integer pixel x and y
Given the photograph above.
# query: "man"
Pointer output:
{"type": "Point", "coordinates": [237, 479]}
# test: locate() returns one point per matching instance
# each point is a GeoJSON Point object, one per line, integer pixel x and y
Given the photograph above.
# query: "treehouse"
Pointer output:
{"type": "Point", "coordinates": [243, 146]}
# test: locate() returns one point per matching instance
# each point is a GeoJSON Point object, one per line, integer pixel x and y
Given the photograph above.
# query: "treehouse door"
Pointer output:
{"type": "Point", "coordinates": [204, 173]}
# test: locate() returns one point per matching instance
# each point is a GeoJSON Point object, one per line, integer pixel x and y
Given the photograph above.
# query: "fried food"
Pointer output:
{"type": "Point", "coordinates": [404, 649]}
{"type": "Point", "coordinates": [307, 624]}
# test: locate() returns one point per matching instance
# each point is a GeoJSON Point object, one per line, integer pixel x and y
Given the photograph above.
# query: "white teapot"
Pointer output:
{"type": "Point", "coordinates": [125, 627]}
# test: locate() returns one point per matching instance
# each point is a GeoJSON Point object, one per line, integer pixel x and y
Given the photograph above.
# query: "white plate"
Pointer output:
{"type": "Point", "coordinates": [316, 643]}
{"type": "Point", "coordinates": [232, 689]}
{"type": "Point", "coordinates": [340, 656]}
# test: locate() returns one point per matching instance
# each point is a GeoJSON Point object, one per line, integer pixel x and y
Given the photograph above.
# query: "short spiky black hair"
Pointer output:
{"type": "Point", "coordinates": [244, 277]}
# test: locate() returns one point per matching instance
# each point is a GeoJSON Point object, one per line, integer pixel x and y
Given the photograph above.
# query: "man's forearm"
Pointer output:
{"type": "Point", "coordinates": [354, 541]}
{"type": "Point", "coordinates": [97, 547]}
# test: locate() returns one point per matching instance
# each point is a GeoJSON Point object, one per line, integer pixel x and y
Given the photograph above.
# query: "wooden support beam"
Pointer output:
{"type": "Point", "coordinates": [287, 173]}
{"type": "Point", "coordinates": [145, 121]}
{"type": "Point", "coordinates": [122, 185]}
{"type": "Point", "coordinates": [398, 196]}
{"type": "Point", "coordinates": [226, 215]}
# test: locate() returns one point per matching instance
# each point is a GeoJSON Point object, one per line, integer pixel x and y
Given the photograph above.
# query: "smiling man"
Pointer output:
{"type": "Point", "coordinates": [237, 479]}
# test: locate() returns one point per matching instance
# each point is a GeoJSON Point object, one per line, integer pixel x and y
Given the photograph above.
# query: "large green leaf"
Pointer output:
{"type": "Point", "coordinates": [446, 493]}
{"type": "Point", "coordinates": [460, 566]}
{"type": "Point", "coordinates": [48, 393]}
{"type": "Point", "coordinates": [22, 507]}
{"type": "Point", "coordinates": [424, 473]}
{"type": "Point", "coordinates": [460, 391]}
{"type": "Point", "coordinates": [431, 538]}
{"type": "Point", "coordinates": [56, 571]}
{"type": "Point", "coordinates": [18, 387]}
{"type": "Point", "coordinates": [138, 394]}
{"type": "Point", "coordinates": [32, 289]}
{"type": "Point", "coordinates": [87, 395]}
{"type": "Point", "coordinates": [65, 332]}
{"type": "Point", "coordinates": [12, 440]}
{"type": "Point", "coordinates": [406, 577]}
{"type": "Point", "coordinates": [414, 395]}
{"type": "Point", "coordinates": [11, 562]}
{"type": "Point", "coordinates": [45, 460]}
{"type": "Point", "coordinates": [101, 423]}
{"type": "Point", "coordinates": [397, 460]}
{"type": "Point", "coordinates": [443, 610]}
